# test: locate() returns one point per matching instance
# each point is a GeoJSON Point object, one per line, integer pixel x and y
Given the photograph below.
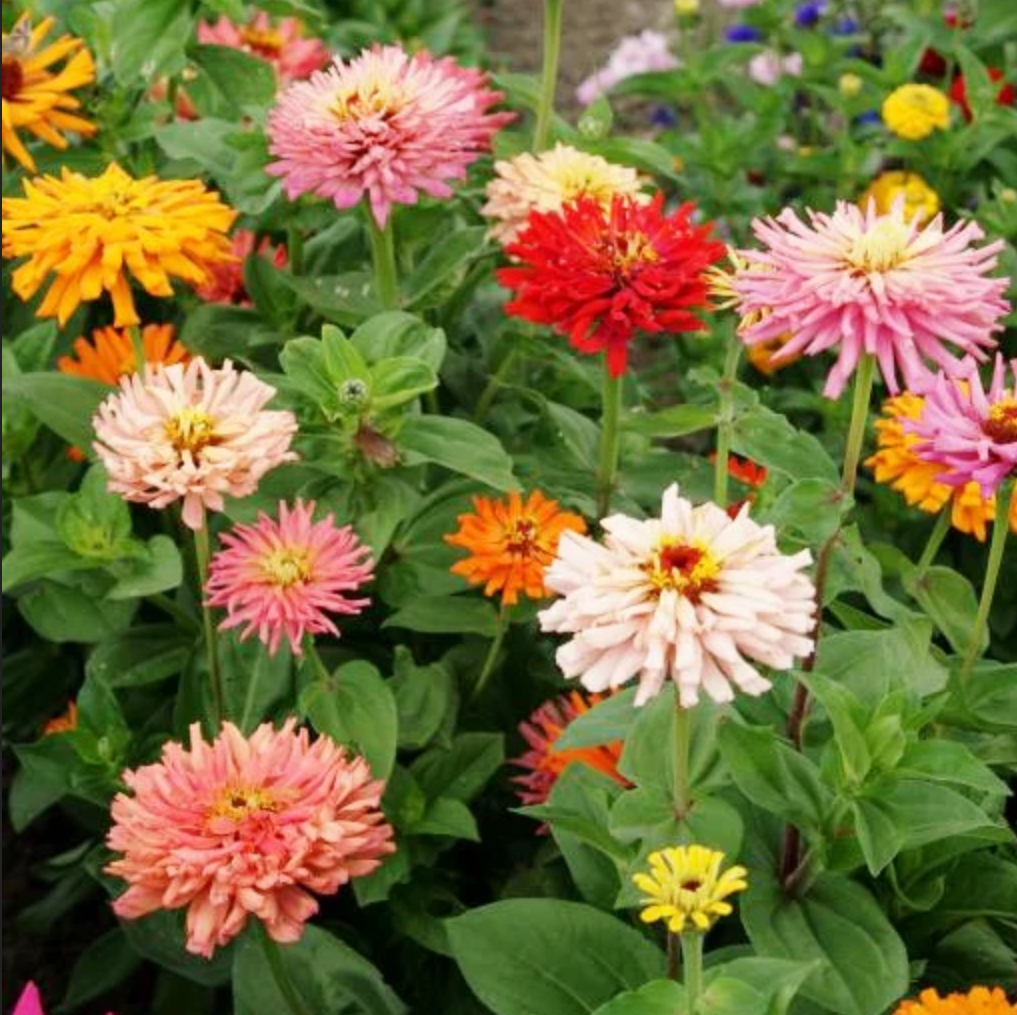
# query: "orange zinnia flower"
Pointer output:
{"type": "Point", "coordinates": [35, 98]}
{"type": "Point", "coordinates": [544, 764]}
{"type": "Point", "coordinates": [110, 354]}
{"type": "Point", "coordinates": [63, 723]}
{"type": "Point", "coordinates": [977, 1001]}
{"type": "Point", "coordinates": [511, 543]}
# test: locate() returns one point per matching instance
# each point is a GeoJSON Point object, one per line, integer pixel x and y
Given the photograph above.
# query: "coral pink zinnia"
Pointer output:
{"type": "Point", "coordinates": [386, 125]}
{"type": "Point", "coordinates": [693, 595]}
{"type": "Point", "coordinates": [245, 826]}
{"type": "Point", "coordinates": [190, 432]}
{"type": "Point", "coordinates": [226, 281]}
{"type": "Point", "coordinates": [600, 275]}
{"type": "Point", "coordinates": [279, 43]}
{"type": "Point", "coordinates": [865, 283]}
{"type": "Point", "coordinates": [971, 432]}
{"type": "Point", "coordinates": [284, 577]}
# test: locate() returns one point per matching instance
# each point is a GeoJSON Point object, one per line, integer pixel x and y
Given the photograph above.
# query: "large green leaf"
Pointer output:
{"type": "Point", "coordinates": [549, 957]}
{"type": "Point", "coordinates": [239, 81]}
{"type": "Point", "coordinates": [462, 770]}
{"type": "Point", "coordinates": [459, 446]}
{"type": "Point", "coordinates": [160, 937]}
{"type": "Point", "coordinates": [444, 259]}
{"type": "Point", "coordinates": [253, 681]}
{"type": "Point", "coordinates": [64, 403]}
{"type": "Point", "coordinates": [447, 615]}
{"type": "Point", "coordinates": [149, 37]}
{"type": "Point", "coordinates": [143, 654]}
{"type": "Point", "coordinates": [769, 439]}
{"type": "Point", "coordinates": [658, 997]}
{"type": "Point", "coordinates": [951, 603]}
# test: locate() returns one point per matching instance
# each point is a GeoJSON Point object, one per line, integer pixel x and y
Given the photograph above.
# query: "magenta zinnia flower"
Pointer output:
{"type": "Point", "coordinates": [284, 577]}
{"type": "Point", "coordinates": [246, 826]}
{"type": "Point", "coordinates": [190, 432]}
{"type": "Point", "coordinates": [871, 284]}
{"type": "Point", "coordinates": [386, 124]}
{"type": "Point", "coordinates": [971, 432]}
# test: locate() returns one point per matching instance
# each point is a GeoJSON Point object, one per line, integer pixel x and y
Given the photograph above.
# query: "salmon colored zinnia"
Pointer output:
{"type": "Point", "coordinates": [226, 282]}
{"type": "Point", "coordinates": [283, 578]}
{"type": "Point", "coordinates": [63, 723]}
{"type": "Point", "coordinates": [511, 542]}
{"type": "Point", "coordinates": [280, 43]}
{"type": "Point", "coordinates": [90, 235]}
{"type": "Point", "coordinates": [242, 827]}
{"type": "Point", "coordinates": [977, 1001]}
{"type": "Point", "coordinates": [36, 97]}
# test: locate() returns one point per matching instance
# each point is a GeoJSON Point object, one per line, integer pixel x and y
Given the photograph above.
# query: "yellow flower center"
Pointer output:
{"type": "Point", "coordinates": [1001, 425]}
{"type": "Point", "coordinates": [13, 78]}
{"type": "Point", "coordinates": [378, 100]}
{"type": "Point", "coordinates": [264, 41]}
{"type": "Point", "coordinates": [191, 429]}
{"type": "Point", "coordinates": [627, 251]}
{"type": "Point", "coordinates": [521, 536]}
{"type": "Point", "coordinates": [286, 566]}
{"type": "Point", "coordinates": [239, 802]}
{"type": "Point", "coordinates": [687, 568]}
{"type": "Point", "coordinates": [880, 248]}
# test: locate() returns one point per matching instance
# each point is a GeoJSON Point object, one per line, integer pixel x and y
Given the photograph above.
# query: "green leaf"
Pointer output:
{"type": "Point", "coordinates": [628, 151]}
{"type": "Point", "coordinates": [398, 380]}
{"type": "Point", "coordinates": [658, 997]}
{"type": "Point", "coordinates": [775, 981]}
{"type": "Point", "coordinates": [141, 655]}
{"type": "Point", "coordinates": [848, 717]}
{"type": "Point", "coordinates": [397, 333]}
{"type": "Point", "coordinates": [864, 966]}
{"type": "Point", "coordinates": [160, 938]}
{"type": "Point", "coordinates": [446, 816]}
{"type": "Point", "coordinates": [240, 81]}
{"type": "Point", "coordinates": [608, 720]}
{"type": "Point", "coordinates": [810, 508]}
{"type": "Point", "coordinates": [326, 974]}
{"type": "Point", "coordinates": [340, 358]}
{"type": "Point", "coordinates": [425, 696]}
{"type": "Point", "coordinates": [254, 682]}
{"type": "Point", "coordinates": [769, 439]}
{"type": "Point", "coordinates": [879, 835]}
{"type": "Point", "coordinates": [218, 332]}
{"type": "Point", "coordinates": [549, 957]}
{"type": "Point", "coordinates": [102, 965]}
{"type": "Point", "coordinates": [149, 37]}
{"type": "Point", "coordinates": [951, 604]}
{"type": "Point", "coordinates": [452, 253]}
{"type": "Point", "coordinates": [674, 421]}
{"type": "Point", "coordinates": [42, 779]}
{"type": "Point", "coordinates": [63, 613]}
{"type": "Point", "coordinates": [459, 446]}
{"type": "Point", "coordinates": [951, 762]}
{"type": "Point", "coordinates": [64, 403]}
{"type": "Point", "coordinates": [447, 615]}
{"type": "Point", "coordinates": [461, 771]}
{"type": "Point", "coordinates": [95, 523]}
{"type": "Point", "coordinates": [159, 569]}
{"type": "Point", "coordinates": [357, 707]}
{"type": "Point", "coordinates": [345, 299]}
{"type": "Point", "coordinates": [31, 561]}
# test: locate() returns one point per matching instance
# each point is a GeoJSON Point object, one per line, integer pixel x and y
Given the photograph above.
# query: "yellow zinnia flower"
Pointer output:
{"type": "Point", "coordinates": [35, 98]}
{"type": "Point", "coordinates": [919, 198]}
{"type": "Point", "coordinates": [685, 886]}
{"type": "Point", "coordinates": [913, 112]}
{"type": "Point", "coordinates": [978, 1001]}
{"type": "Point", "coordinates": [897, 464]}
{"type": "Point", "coordinates": [849, 85]}
{"type": "Point", "coordinates": [88, 234]}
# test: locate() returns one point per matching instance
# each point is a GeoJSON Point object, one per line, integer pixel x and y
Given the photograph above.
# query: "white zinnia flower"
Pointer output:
{"type": "Point", "coordinates": [694, 595]}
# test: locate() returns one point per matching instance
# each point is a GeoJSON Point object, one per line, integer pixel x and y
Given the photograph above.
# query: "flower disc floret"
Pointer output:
{"type": "Point", "coordinates": [385, 125]}
{"type": "Point", "coordinates": [913, 111]}
{"type": "Point", "coordinates": [864, 283]}
{"type": "Point", "coordinates": [686, 888]}
{"type": "Point", "coordinates": [693, 596]}
{"type": "Point", "coordinates": [245, 827]}
{"type": "Point", "coordinates": [598, 276]}
{"type": "Point", "coordinates": [193, 433]}
{"type": "Point", "coordinates": [90, 235]}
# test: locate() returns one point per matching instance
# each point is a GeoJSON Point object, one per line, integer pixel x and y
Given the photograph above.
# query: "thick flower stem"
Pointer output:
{"type": "Point", "coordinates": [859, 418]}
{"type": "Point", "coordinates": [692, 959]}
{"type": "Point", "coordinates": [1000, 527]}
{"type": "Point", "coordinates": [491, 659]}
{"type": "Point", "coordinates": [936, 537]}
{"type": "Point", "coordinates": [549, 72]}
{"type": "Point", "coordinates": [287, 988]}
{"type": "Point", "coordinates": [202, 555]}
{"type": "Point", "coordinates": [674, 956]}
{"type": "Point", "coordinates": [138, 345]}
{"type": "Point", "coordinates": [734, 351]}
{"type": "Point", "coordinates": [321, 671]}
{"type": "Point", "coordinates": [607, 469]}
{"type": "Point", "coordinates": [682, 753]}
{"type": "Point", "coordinates": [386, 279]}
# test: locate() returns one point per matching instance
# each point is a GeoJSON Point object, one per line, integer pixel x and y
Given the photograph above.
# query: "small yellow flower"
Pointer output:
{"type": "Point", "coordinates": [849, 85]}
{"type": "Point", "coordinates": [686, 8]}
{"type": "Point", "coordinates": [685, 886]}
{"type": "Point", "coordinates": [762, 354]}
{"type": "Point", "coordinates": [919, 198]}
{"type": "Point", "coordinates": [913, 112]}
{"type": "Point", "coordinates": [977, 1001]}
{"type": "Point", "coordinates": [1009, 195]}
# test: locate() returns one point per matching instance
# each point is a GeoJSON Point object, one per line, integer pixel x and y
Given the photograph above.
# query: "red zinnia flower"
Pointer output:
{"type": "Point", "coordinates": [959, 92]}
{"type": "Point", "coordinates": [598, 275]}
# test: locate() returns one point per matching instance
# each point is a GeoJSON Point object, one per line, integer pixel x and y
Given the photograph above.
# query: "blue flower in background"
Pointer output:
{"type": "Point", "coordinates": [663, 116]}
{"type": "Point", "coordinates": [846, 26]}
{"type": "Point", "coordinates": [807, 15]}
{"type": "Point", "coordinates": [743, 33]}
{"type": "Point", "coordinates": [872, 116]}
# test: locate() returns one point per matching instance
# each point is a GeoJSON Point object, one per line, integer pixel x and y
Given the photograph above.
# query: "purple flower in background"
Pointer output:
{"type": "Point", "coordinates": [807, 15]}
{"type": "Point", "coordinates": [742, 33]}
{"type": "Point", "coordinates": [872, 116]}
{"type": "Point", "coordinates": [738, 4]}
{"type": "Point", "coordinates": [845, 26]}
{"type": "Point", "coordinates": [635, 54]}
{"type": "Point", "coordinates": [663, 116]}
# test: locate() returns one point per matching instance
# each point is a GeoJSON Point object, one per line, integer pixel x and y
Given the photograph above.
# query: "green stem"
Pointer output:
{"type": "Point", "coordinates": [294, 249]}
{"type": "Point", "coordinates": [674, 956]}
{"type": "Point", "coordinates": [386, 279]}
{"type": "Point", "coordinates": [936, 537]}
{"type": "Point", "coordinates": [692, 959]}
{"type": "Point", "coordinates": [1000, 527]}
{"type": "Point", "coordinates": [495, 381]}
{"type": "Point", "coordinates": [720, 475]}
{"type": "Point", "coordinates": [864, 378]}
{"type": "Point", "coordinates": [682, 752]}
{"type": "Point", "coordinates": [172, 609]}
{"type": "Point", "coordinates": [491, 658]}
{"type": "Point", "coordinates": [607, 468]}
{"type": "Point", "coordinates": [549, 72]}
{"type": "Point", "coordinates": [138, 344]}
{"type": "Point", "coordinates": [202, 554]}
{"type": "Point", "coordinates": [287, 988]}
{"type": "Point", "coordinates": [321, 671]}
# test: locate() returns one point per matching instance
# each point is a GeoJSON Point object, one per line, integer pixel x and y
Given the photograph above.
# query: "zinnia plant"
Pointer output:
{"type": "Point", "coordinates": [110, 354]}
{"type": "Point", "coordinates": [279, 42]}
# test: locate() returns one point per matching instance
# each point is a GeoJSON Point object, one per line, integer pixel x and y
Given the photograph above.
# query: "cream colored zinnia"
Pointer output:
{"type": "Point", "coordinates": [549, 180]}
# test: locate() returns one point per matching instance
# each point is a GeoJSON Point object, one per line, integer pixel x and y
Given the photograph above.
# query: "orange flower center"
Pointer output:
{"type": "Point", "coordinates": [267, 42]}
{"type": "Point", "coordinates": [378, 100]}
{"type": "Point", "coordinates": [286, 566]}
{"type": "Point", "coordinates": [191, 429]}
{"type": "Point", "coordinates": [629, 250]}
{"type": "Point", "coordinates": [13, 78]}
{"type": "Point", "coordinates": [1001, 425]}
{"type": "Point", "coordinates": [685, 568]}
{"type": "Point", "coordinates": [522, 536]}
{"type": "Point", "coordinates": [691, 885]}
{"type": "Point", "coordinates": [238, 802]}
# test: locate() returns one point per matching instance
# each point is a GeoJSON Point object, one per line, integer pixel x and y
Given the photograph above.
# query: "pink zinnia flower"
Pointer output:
{"type": "Point", "coordinates": [693, 595]}
{"type": "Point", "coordinates": [387, 125]}
{"type": "Point", "coordinates": [871, 284]}
{"type": "Point", "coordinates": [768, 67]}
{"type": "Point", "coordinates": [30, 1002]}
{"type": "Point", "coordinates": [226, 281]}
{"type": "Point", "coordinates": [190, 432]}
{"type": "Point", "coordinates": [246, 826]}
{"type": "Point", "coordinates": [284, 577]}
{"type": "Point", "coordinates": [971, 432]}
{"type": "Point", "coordinates": [279, 43]}
{"type": "Point", "coordinates": [634, 54]}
